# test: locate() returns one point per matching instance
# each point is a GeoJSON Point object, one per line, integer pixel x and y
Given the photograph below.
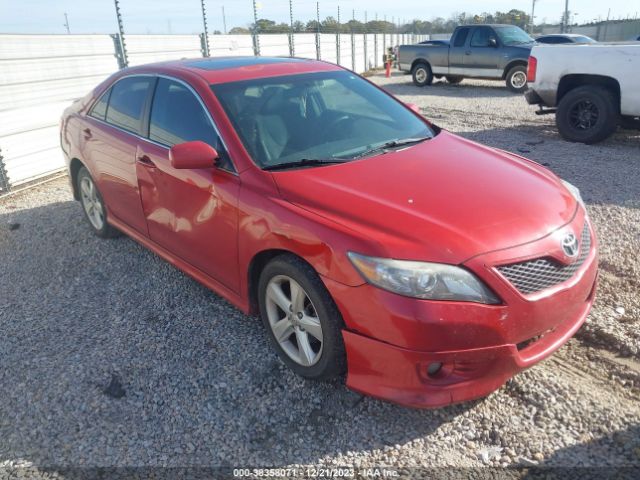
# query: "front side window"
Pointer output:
{"type": "Point", "coordinates": [325, 115]}
{"type": "Point", "coordinates": [126, 103]}
{"type": "Point", "coordinates": [481, 37]}
{"type": "Point", "coordinates": [177, 116]}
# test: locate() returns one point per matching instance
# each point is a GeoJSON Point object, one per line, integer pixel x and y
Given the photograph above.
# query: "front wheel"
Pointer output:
{"type": "Point", "coordinates": [422, 74]}
{"type": "Point", "coordinates": [587, 114]}
{"type": "Point", "coordinates": [302, 321]}
{"type": "Point", "coordinates": [517, 79]}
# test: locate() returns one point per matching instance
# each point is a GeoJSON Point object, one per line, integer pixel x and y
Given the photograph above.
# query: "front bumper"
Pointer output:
{"type": "Point", "coordinates": [391, 340]}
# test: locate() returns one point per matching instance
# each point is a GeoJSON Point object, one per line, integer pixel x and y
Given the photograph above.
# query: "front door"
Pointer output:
{"type": "Point", "coordinates": [192, 213]}
{"type": "Point", "coordinates": [484, 54]}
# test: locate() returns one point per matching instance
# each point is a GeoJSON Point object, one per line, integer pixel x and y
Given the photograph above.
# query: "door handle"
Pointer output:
{"type": "Point", "coordinates": [87, 133]}
{"type": "Point", "coordinates": [146, 161]}
{"type": "Point", "coordinates": [467, 52]}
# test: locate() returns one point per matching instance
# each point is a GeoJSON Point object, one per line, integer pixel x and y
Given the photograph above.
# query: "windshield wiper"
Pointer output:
{"type": "Point", "coordinates": [304, 162]}
{"type": "Point", "coordinates": [392, 144]}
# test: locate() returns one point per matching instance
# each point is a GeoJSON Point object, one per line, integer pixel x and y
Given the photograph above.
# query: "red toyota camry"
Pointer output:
{"type": "Point", "coordinates": [426, 267]}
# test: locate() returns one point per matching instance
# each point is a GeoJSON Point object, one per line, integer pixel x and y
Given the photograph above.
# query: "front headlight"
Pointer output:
{"type": "Point", "coordinates": [432, 281]}
{"type": "Point", "coordinates": [574, 191]}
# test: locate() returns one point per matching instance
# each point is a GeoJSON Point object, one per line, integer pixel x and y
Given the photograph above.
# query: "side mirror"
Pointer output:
{"type": "Point", "coordinates": [193, 155]}
{"type": "Point", "coordinates": [414, 107]}
{"type": "Point", "coordinates": [493, 42]}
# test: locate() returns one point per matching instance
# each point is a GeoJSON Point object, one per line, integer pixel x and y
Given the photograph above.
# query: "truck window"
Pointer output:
{"type": "Point", "coordinates": [481, 37]}
{"type": "Point", "coordinates": [461, 37]}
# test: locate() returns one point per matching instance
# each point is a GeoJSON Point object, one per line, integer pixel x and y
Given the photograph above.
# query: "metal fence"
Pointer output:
{"type": "Point", "coordinates": [41, 74]}
{"type": "Point", "coordinates": [612, 31]}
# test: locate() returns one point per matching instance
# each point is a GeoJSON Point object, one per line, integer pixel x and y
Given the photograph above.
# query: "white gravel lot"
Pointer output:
{"type": "Point", "coordinates": [196, 383]}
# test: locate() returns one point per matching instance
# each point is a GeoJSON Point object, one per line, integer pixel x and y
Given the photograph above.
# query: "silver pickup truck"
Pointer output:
{"type": "Point", "coordinates": [497, 52]}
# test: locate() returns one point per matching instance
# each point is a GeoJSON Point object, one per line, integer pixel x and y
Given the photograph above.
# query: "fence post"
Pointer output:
{"type": "Point", "coordinates": [205, 44]}
{"type": "Point", "coordinates": [118, 40]}
{"type": "Point", "coordinates": [366, 57]}
{"type": "Point", "coordinates": [375, 50]}
{"type": "Point", "coordinates": [353, 53]}
{"type": "Point", "coordinates": [4, 178]}
{"type": "Point", "coordinates": [119, 53]}
{"type": "Point", "coordinates": [292, 50]}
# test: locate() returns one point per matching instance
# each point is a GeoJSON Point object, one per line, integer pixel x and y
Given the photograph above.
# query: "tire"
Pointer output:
{"type": "Point", "coordinates": [327, 359]}
{"type": "Point", "coordinates": [422, 74]}
{"type": "Point", "coordinates": [516, 79]}
{"type": "Point", "coordinates": [587, 114]}
{"type": "Point", "coordinates": [93, 205]}
{"type": "Point", "coordinates": [454, 79]}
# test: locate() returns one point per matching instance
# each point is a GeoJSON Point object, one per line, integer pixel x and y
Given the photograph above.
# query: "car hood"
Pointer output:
{"type": "Point", "coordinates": [446, 199]}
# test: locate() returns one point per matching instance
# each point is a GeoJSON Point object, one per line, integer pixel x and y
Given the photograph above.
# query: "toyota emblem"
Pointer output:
{"type": "Point", "coordinates": [570, 245]}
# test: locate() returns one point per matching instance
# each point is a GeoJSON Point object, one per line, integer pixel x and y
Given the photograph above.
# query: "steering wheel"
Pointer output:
{"type": "Point", "coordinates": [335, 124]}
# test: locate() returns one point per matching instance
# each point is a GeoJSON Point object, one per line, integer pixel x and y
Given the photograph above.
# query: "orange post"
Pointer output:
{"type": "Point", "coordinates": [388, 72]}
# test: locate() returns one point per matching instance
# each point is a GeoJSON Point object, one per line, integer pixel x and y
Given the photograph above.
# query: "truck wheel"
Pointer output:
{"type": "Point", "coordinates": [453, 79]}
{"type": "Point", "coordinates": [517, 79]}
{"type": "Point", "coordinates": [422, 74]}
{"type": "Point", "coordinates": [587, 114]}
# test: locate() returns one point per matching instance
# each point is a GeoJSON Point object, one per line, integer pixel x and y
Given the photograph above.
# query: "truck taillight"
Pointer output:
{"type": "Point", "coordinates": [531, 69]}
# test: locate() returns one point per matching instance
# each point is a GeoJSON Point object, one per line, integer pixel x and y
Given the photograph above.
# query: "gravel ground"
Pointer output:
{"type": "Point", "coordinates": [111, 357]}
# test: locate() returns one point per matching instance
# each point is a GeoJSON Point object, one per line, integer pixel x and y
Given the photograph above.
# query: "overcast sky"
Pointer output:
{"type": "Point", "coordinates": [183, 16]}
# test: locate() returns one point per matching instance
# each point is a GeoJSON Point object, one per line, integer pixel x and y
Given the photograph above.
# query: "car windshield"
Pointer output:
{"type": "Point", "coordinates": [316, 116]}
{"type": "Point", "coordinates": [513, 35]}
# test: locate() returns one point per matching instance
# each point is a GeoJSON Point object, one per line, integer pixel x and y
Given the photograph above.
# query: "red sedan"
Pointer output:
{"type": "Point", "coordinates": [426, 267]}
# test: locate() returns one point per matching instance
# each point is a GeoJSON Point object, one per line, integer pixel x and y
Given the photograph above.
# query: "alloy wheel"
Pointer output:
{"type": "Point", "coordinates": [583, 115]}
{"type": "Point", "coordinates": [294, 320]}
{"type": "Point", "coordinates": [421, 75]}
{"type": "Point", "coordinates": [92, 203]}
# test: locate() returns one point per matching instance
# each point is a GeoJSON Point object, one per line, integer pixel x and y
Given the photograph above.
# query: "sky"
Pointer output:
{"type": "Point", "coordinates": [183, 16]}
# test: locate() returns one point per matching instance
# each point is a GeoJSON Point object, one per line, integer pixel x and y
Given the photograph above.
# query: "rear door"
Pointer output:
{"type": "Point", "coordinates": [481, 58]}
{"type": "Point", "coordinates": [110, 140]}
{"type": "Point", "coordinates": [192, 213]}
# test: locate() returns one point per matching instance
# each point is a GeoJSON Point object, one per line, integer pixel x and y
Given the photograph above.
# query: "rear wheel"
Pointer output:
{"type": "Point", "coordinates": [302, 321]}
{"type": "Point", "coordinates": [587, 114]}
{"type": "Point", "coordinates": [93, 205]}
{"type": "Point", "coordinates": [517, 79]}
{"type": "Point", "coordinates": [454, 79]}
{"type": "Point", "coordinates": [422, 74]}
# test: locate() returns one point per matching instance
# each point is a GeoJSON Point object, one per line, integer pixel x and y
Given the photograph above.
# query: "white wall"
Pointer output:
{"type": "Point", "coordinates": [42, 74]}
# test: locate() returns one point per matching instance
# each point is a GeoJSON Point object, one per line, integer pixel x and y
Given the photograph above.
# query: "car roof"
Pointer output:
{"type": "Point", "coordinates": [237, 68]}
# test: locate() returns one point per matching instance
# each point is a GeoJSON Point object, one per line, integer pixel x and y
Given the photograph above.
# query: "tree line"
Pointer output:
{"type": "Point", "coordinates": [436, 25]}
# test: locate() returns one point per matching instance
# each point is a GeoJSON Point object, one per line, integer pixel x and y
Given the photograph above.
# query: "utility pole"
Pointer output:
{"type": "Point", "coordinates": [533, 11]}
{"type": "Point", "coordinates": [565, 28]}
{"type": "Point", "coordinates": [318, 30]}
{"type": "Point", "coordinates": [224, 21]}
{"type": "Point", "coordinates": [338, 39]}
{"type": "Point", "coordinates": [205, 43]}
{"type": "Point", "coordinates": [66, 23]}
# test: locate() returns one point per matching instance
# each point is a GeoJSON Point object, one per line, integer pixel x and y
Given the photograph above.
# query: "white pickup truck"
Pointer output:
{"type": "Point", "coordinates": [591, 88]}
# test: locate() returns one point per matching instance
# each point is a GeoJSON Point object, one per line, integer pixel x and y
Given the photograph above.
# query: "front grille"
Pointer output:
{"type": "Point", "coordinates": [536, 275]}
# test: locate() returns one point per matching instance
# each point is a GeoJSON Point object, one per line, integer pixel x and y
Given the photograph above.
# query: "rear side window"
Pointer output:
{"type": "Point", "coordinates": [126, 103]}
{"type": "Point", "coordinates": [177, 116]}
{"type": "Point", "coordinates": [461, 37]}
{"type": "Point", "coordinates": [99, 110]}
